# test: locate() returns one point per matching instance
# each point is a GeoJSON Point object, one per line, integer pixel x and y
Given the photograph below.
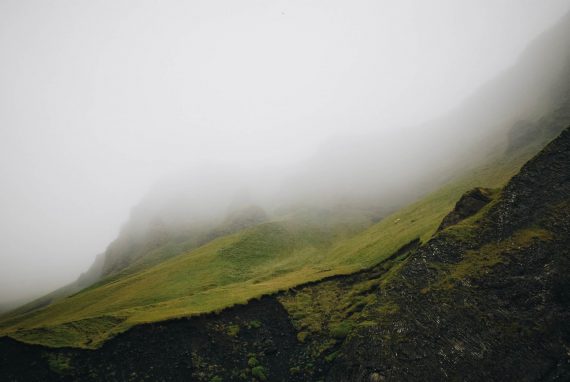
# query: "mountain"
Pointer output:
{"type": "Point", "coordinates": [233, 269]}
{"type": "Point", "coordinates": [521, 109]}
{"type": "Point", "coordinates": [529, 96]}
{"type": "Point", "coordinates": [486, 298]}
{"type": "Point", "coordinates": [448, 262]}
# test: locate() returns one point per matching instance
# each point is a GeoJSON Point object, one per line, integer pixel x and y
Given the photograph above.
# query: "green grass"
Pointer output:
{"type": "Point", "coordinates": [239, 267]}
{"type": "Point", "coordinates": [341, 330]}
{"type": "Point", "coordinates": [259, 373]}
{"type": "Point", "coordinates": [59, 363]}
{"type": "Point", "coordinates": [233, 330]}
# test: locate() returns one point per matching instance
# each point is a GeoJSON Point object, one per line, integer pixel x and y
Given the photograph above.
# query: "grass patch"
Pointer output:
{"type": "Point", "coordinates": [331, 357]}
{"type": "Point", "coordinates": [259, 372]}
{"type": "Point", "coordinates": [233, 330]}
{"type": "Point", "coordinates": [252, 362]}
{"type": "Point", "coordinates": [302, 336]}
{"type": "Point", "coordinates": [341, 330]}
{"type": "Point", "coordinates": [59, 363]}
{"type": "Point", "coordinates": [254, 324]}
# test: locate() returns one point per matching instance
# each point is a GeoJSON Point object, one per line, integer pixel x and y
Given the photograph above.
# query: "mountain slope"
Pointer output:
{"type": "Point", "coordinates": [158, 270]}
{"type": "Point", "coordinates": [486, 298]}
{"type": "Point", "coordinates": [236, 268]}
{"type": "Point", "coordinates": [260, 260]}
{"type": "Point", "coordinates": [363, 168]}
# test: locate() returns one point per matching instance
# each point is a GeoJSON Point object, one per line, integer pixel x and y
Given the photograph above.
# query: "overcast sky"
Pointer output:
{"type": "Point", "coordinates": [100, 99]}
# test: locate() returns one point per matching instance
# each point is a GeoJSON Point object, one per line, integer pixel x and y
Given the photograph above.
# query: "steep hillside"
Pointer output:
{"type": "Point", "coordinates": [486, 298]}
{"type": "Point", "coordinates": [173, 280]}
{"type": "Point", "coordinates": [234, 269]}
{"type": "Point", "coordinates": [196, 263]}
{"type": "Point", "coordinates": [533, 96]}
{"type": "Point", "coordinates": [148, 240]}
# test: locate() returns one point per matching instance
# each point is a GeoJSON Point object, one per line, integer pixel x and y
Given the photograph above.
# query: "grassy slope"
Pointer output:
{"type": "Point", "coordinates": [236, 268]}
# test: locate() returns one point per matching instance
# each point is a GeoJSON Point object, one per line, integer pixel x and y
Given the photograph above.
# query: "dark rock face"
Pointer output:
{"type": "Point", "coordinates": [539, 191]}
{"type": "Point", "coordinates": [469, 204]}
{"type": "Point", "coordinates": [489, 306]}
{"type": "Point", "coordinates": [195, 349]}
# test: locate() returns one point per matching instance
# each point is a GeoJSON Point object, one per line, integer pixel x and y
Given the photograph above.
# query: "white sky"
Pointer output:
{"type": "Point", "coordinates": [100, 99]}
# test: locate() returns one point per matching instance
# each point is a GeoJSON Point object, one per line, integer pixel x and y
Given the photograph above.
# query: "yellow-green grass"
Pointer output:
{"type": "Point", "coordinates": [237, 268]}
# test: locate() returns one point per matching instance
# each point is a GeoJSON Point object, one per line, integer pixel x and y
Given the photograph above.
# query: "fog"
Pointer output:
{"type": "Point", "coordinates": [108, 105]}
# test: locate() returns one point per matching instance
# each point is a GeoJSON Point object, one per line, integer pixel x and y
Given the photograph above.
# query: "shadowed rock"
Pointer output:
{"type": "Point", "coordinates": [470, 203]}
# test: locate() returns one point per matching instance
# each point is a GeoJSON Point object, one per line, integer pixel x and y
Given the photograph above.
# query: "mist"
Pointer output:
{"type": "Point", "coordinates": [115, 112]}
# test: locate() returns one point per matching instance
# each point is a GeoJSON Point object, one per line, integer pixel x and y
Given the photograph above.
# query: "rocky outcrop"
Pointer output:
{"type": "Point", "coordinates": [469, 204]}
